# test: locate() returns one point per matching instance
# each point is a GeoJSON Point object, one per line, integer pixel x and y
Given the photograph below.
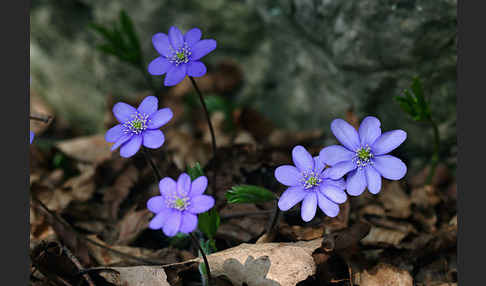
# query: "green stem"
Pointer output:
{"type": "Point", "coordinates": [206, 264]}
{"type": "Point", "coordinates": [435, 155]}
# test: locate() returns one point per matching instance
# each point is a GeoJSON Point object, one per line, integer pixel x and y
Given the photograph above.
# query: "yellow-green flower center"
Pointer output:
{"type": "Point", "coordinates": [137, 125]}
{"type": "Point", "coordinates": [181, 55]}
{"type": "Point", "coordinates": [310, 180]}
{"type": "Point", "coordinates": [363, 157]}
{"type": "Point", "coordinates": [179, 203]}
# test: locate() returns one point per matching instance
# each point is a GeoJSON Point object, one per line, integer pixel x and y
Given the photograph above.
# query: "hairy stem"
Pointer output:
{"type": "Point", "coordinates": [435, 155]}
{"type": "Point", "coordinates": [206, 264]}
{"type": "Point", "coordinates": [213, 138]}
{"type": "Point", "coordinates": [147, 156]}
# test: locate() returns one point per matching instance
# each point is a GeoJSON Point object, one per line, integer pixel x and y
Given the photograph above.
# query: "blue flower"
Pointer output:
{"type": "Point", "coordinates": [307, 181]}
{"type": "Point", "coordinates": [138, 126]}
{"type": "Point", "coordinates": [363, 156]}
{"type": "Point", "coordinates": [177, 207]}
{"type": "Point", "coordinates": [180, 55]}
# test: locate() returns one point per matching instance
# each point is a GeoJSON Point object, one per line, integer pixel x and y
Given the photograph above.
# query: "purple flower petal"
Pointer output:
{"type": "Point", "coordinates": [198, 186]}
{"type": "Point", "coordinates": [200, 204]}
{"type": "Point", "coordinates": [175, 38]}
{"type": "Point", "coordinates": [328, 207]}
{"type": "Point", "coordinates": [148, 105]}
{"type": "Point", "coordinates": [309, 207]}
{"type": "Point", "coordinates": [124, 138]}
{"type": "Point", "coordinates": [159, 118]}
{"type": "Point", "coordinates": [334, 154]}
{"type": "Point", "coordinates": [318, 165]}
{"type": "Point", "coordinates": [153, 138]}
{"type": "Point", "coordinates": [124, 112]}
{"type": "Point", "coordinates": [131, 146]}
{"type": "Point", "coordinates": [167, 187]}
{"type": "Point", "coordinates": [291, 197]}
{"type": "Point", "coordinates": [346, 134]}
{"type": "Point", "coordinates": [388, 141]}
{"type": "Point", "coordinates": [183, 184]}
{"type": "Point", "coordinates": [373, 179]}
{"type": "Point", "coordinates": [156, 204]}
{"type": "Point", "coordinates": [339, 170]}
{"type": "Point", "coordinates": [175, 75]}
{"type": "Point", "coordinates": [196, 69]}
{"type": "Point", "coordinates": [31, 137]}
{"type": "Point", "coordinates": [334, 194]}
{"type": "Point", "coordinates": [188, 223]}
{"type": "Point", "coordinates": [356, 182]}
{"type": "Point", "coordinates": [161, 44]}
{"type": "Point", "coordinates": [302, 159]}
{"type": "Point", "coordinates": [159, 66]}
{"type": "Point", "coordinates": [202, 48]}
{"type": "Point", "coordinates": [160, 219]}
{"type": "Point", "coordinates": [339, 184]}
{"type": "Point", "coordinates": [288, 175]}
{"type": "Point", "coordinates": [192, 36]}
{"type": "Point", "coordinates": [390, 167]}
{"type": "Point", "coordinates": [114, 133]}
{"type": "Point", "coordinates": [171, 226]}
{"type": "Point", "coordinates": [369, 130]}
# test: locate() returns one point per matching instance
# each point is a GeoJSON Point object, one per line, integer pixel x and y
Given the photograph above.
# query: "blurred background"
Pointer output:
{"type": "Point", "coordinates": [296, 63]}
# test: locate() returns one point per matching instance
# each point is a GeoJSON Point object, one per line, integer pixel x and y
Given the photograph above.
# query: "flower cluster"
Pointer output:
{"type": "Point", "coordinates": [180, 55]}
{"type": "Point", "coordinates": [177, 207]}
{"type": "Point", "coordinates": [362, 158]}
{"type": "Point", "coordinates": [138, 126]}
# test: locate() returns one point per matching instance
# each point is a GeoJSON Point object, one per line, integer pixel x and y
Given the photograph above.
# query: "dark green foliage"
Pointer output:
{"type": "Point", "coordinates": [121, 41]}
{"type": "Point", "coordinates": [249, 194]}
{"type": "Point", "coordinates": [413, 102]}
{"type": "Point", "coordinates": [195, 171]}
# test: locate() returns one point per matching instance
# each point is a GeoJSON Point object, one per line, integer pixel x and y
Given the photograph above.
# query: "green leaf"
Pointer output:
{"type": "Point", "coordinates": [249, 194]}
{"type": "Point", "coordinates": [127, 27]}
{"type": "Point", "coordinates": [208, 222]}
{"type": "Point", "coordinates": [195, 171]}
{"type": "Point", "coordinates": [413, 102]}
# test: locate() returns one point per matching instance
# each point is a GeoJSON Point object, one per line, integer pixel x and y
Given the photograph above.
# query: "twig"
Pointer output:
{"type": "Point", "coordinates": [40, 118]}
{"type": "Point", "coordinates": [82, 237]}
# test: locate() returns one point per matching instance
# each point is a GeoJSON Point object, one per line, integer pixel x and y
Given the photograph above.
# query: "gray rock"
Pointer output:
{"type": "Point", "coordinates": [316, 58]}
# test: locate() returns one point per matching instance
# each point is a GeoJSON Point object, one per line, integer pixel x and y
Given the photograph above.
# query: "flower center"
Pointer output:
{"type": "Point", "coordinates": [137, 124]}
{"type": "Point", "coordinates": [181, 55]}
{"type": "Point", "coordinates": [310, 179]}
{"type": "Point", "coordinates": [178, 202]}
{"type": "Point", "coordinates": [363, 157]}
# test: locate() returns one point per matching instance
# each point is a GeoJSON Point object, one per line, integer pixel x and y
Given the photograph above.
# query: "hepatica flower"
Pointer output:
{"type": "Point", "coordinates": [177, 208]}
{"type": "Point", "coordinates": [180, 55]}
{"type": "Point", "coordinates": [363, 155]}
{"type": "Point", "coordinates": [31, 137]}
{"type": "Point", "coordinates": [308, 183]}
{"type": "Point", "coordinates": [138, 126]}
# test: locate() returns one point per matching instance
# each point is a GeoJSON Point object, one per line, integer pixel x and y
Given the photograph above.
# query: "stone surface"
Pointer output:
{"type": "Point", "coordinates": [317, 58]}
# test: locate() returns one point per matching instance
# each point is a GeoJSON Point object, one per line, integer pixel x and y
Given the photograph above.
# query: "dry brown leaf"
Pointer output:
{"type": "Point", "coordinates": [384, 275]}
{"type": "Point", "coordinates": [132, 224]}
{"type": "Point", "coordinates": [90, 149]}
{"type": "Point", "coordinates": [285, 138]}
{"type": "Point", "coordinates": [241, 229]}
{"type": "Point", "coordinates": [263, 264]}
{"type": "Point", "coordinates": [83, 186]}
{"type": "Point", "coordinates": [186, 150]}
{"type": "Point", "coordinates": [425, 196]}
{"type": "Point", "coordinates": [395, 200]}
{"type": "Point", "coordinates": [380, 235]}
{"type": "Point", "coordinates": [136, 276]}
{"type": "Point", "coordinates": [39, 107]}
{"type": "Point", "coordinates": [115, 195]}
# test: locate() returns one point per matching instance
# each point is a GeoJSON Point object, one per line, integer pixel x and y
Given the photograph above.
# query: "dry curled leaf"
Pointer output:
{"type": "Point", "coordinates": [115, 195]}
{"type": "Point", "coordinates": [380, 235]}
{"type": "Point", "coordinates": [89, 149]}
{"type": "Point", "coordinates": [395, 200]}
{"type": "Point", "coordinates": [384, 275]}
{"type": "Point", "coordinates": [136, 276]}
